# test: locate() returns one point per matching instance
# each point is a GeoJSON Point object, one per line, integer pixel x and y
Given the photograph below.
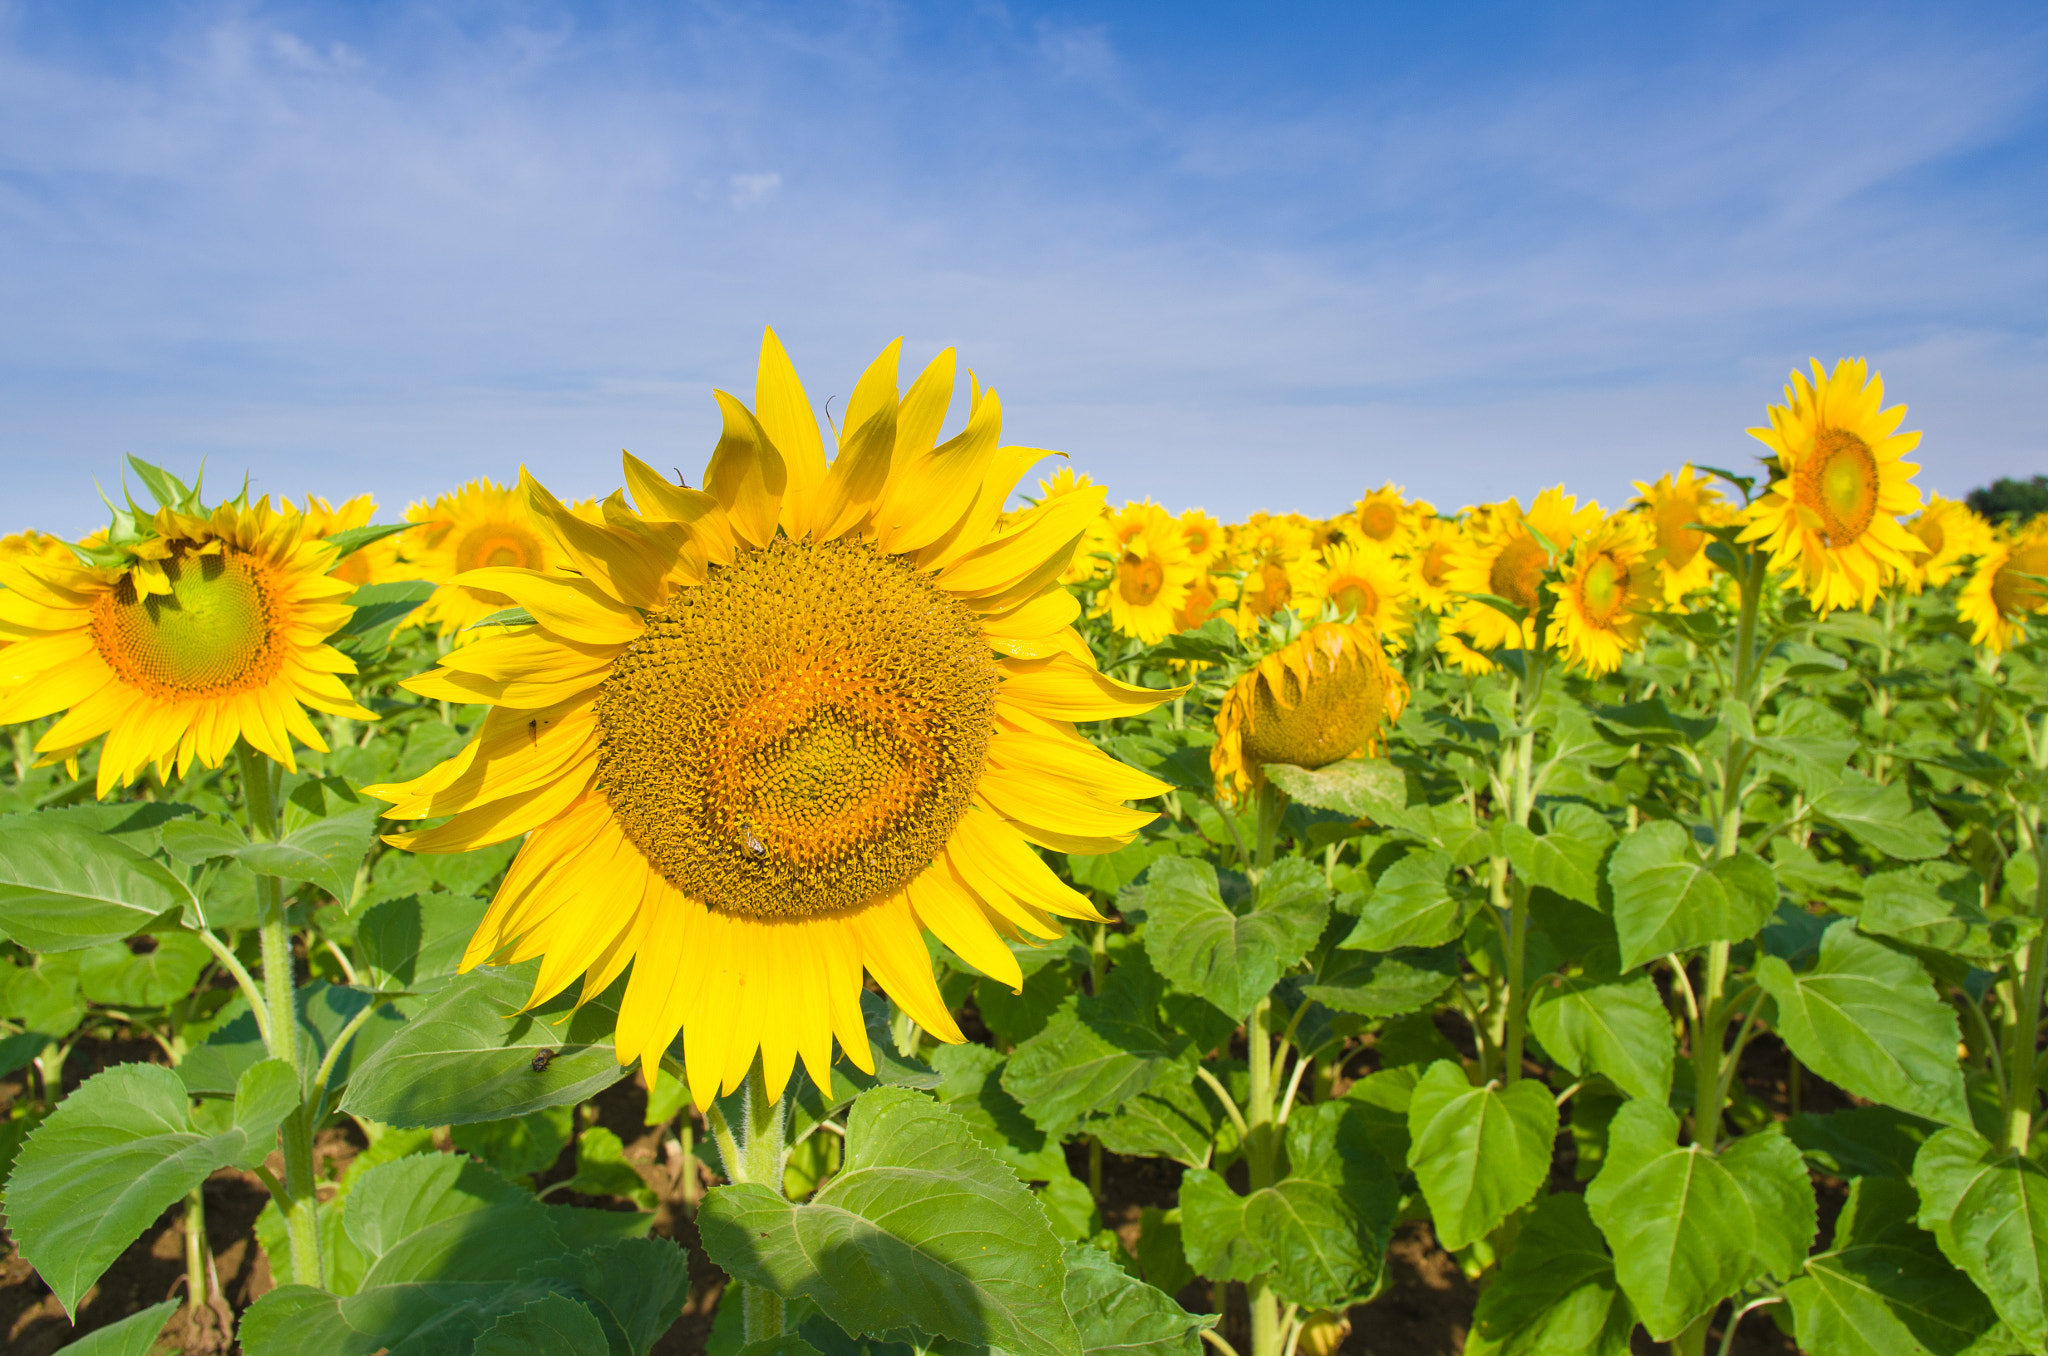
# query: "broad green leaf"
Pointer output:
{"type": "Point", "coordinates": [134, 1335]}
{"type": "Point", "coordinates": [1988, 1210]}
{"type": "Point", "coordinates": [1014, 1018]}
{"type": "Point", "coordinates": [1682, 1227]}
{"type": "Point", "coordinates": [551, 1326]}
{"type": "Point", "coordinates": [1872, 1141]}
{"type": "Point", "coordinates": [635, 1287]}
{"type": "Point", "coordinates": [1098, 1053]}
{"type": "Point", "coordinates": [1162, 1257]}
{"type": "Point", "coordinates": [1311, 1242]}
{"type": "Point", "coordinates": [324, 1012]}
{"type": "Point", "coordinates": [1867, 1019]}
{"type": "Point", "coordinates": [1232, 959]}
{"type": "Point", "coordinates": [602, 1169]}
{"type": "Point", "coordinates": [1939, 906]}
{"type": "Point", "coordinates": [1364, 788]}
{"type": "Point", "coordinates": [198, 840]}
{"type": "Point", "coordinates": [408, 943]}
{"type": "Point", "coordinates": [44, 998]}
{"type": "Point", "coordinates": [1414, 903]}
{"type": "Point", "coordinates": [468, 1055]}
{"type": "Point", "coordinates": [1666, 899]}
{"type": "Point", "coordinates": [519, 1145]}
{"type": "Point", "coordinates": [1620, 1029]}
{"type": "Point", "coordinates": [922, 1228]}
{"type": "Point", "coordinates": [1556, 1294]}
{"type": "Point", "coordinates": [1380, 983]}
{"type": "Point", "coordinates": [1115, 1312]}
{"type": "Point", "coordinates": [1882, 818]}
{"type": "Point", "coordinates": [120, 1151]}
{"type": "Point", "coordinates": [973, 1089]}
{"type": "Point", "coordinates": [1478, 1153]}
{"type": "Point", "coordinates": [1213, 1229]}
{"type": "Point", "coordinates": [1331, 1144]}
{"type": "Point", "coordinates": [789, 1344]}
{"type": "Point", "coordinates": [1173, 1121]}
{"type": "Point", "coordinates": [1566, 859]}
{"type": "Point", "coordinates": [64, 888]}
{"type": "Point", "coordinates": [326, 848]}
{"type": "Point", "coordinates": [1650, 722]}
{"type": "Point", "coordinates": [1883, 1286]}
{"type": "Point", "coordinates": [1772, 1176]}
{"type": "Point", "coordinates": [118, 977]}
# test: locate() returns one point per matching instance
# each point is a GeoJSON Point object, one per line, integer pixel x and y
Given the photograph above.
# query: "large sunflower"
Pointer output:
{"type": "Point", "coordinates": [2005, 589]}
{"type": "Point", "coordinates": [1149, 580]}
{"type": "Point", "coordinates": [1673, 505]}
{"type": "Point", "coordinates": [764, 735]}
{"type": "Point", "coordinates": [1329, 694]}
{"type": "Point", "coordinates": [1832, 510]}
{"type": "Point", "coordinates": [204, 628]}
{"type": "Point", "coordinates": [1608, 587]}
{"type": "Point", "coordinates": [1499, 555]}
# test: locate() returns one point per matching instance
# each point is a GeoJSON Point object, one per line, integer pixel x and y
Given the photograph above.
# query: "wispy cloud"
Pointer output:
{"type": "Point", "coordinates": [397, 247]}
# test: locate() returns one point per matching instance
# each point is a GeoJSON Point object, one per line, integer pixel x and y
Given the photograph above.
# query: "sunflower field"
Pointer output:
{"type": "Point", "coordinates": [884, 899]}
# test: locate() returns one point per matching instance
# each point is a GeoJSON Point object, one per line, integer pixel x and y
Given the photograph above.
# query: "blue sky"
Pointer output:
{"type": "Point", "coordinates": [1237, 256]}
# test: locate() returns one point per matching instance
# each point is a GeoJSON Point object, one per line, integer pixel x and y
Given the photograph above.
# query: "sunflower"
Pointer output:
{"type": "Point", "coordinates": [1430, 547]}
{"type": "Point", "coordinates": [1673, 505]}
{"type": "Point", "coordinates": [1367, 584]}
{"type": "Point", "coordinates": [1204, 594]}
{"type": "Point", "coordinates": [376, 563]}
{"type": "Point", "coordinates": [763, 736]}
{"type": "Point", "coordinates": [1148, 583]}
{"type": "Point", "coordinates": [1949, 533]}
{"type": "Point", "coordinates": [1501, 556]}
{"type": "Point", "coordinates": [1382, 514]}
{"type": "Point", "coordinates": [483, 525]}
{"type": "Point", "coordinates": [202, 629]}
{"type": "Point", "coordinates": [1278, 569]}
{"type": "Point", "coordinates": [1328, 695]}
{"type": "Point", "coordinates": [1204, 539]}
{"type": "Point", "coordinates": [1607, 589]}
{"type": "Point", "coordinates": [34, 545]}
{"type": "Point", "coordinates": [2003, 591]}
{"type": "Point", "coordinates": [1832, 510]}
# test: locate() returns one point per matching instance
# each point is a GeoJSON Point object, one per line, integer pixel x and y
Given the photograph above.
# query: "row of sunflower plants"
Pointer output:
{"type": "Point", "coordinates": [1609, 891]}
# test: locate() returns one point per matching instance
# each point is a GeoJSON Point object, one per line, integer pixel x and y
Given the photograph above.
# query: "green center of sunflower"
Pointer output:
{"type": "Point", "coordinates": [494, 544]}
{"type": "Point", "coordinates": [1839, 482]}
{"type": "Point", "coordinates": [1603, 589]}
{"type": "Point", "coordinates": [212, 633]}
{"type": "Point", "coordinates": [1355, 597]}
{"type": "Point", "coordinates": [801, 732]}
{"type": "Point", "coordinates": [1517, 570]}
{"type": "Point", "coordinates": [1139, 579]}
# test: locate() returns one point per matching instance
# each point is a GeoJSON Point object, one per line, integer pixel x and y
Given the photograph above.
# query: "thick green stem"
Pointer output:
{"type": "Point", "coordinates": [1707, 1034]}
{"type": "Point", "coordinates": [761, 1161]}
{"type": "Point", "coordinates": [1521, 801]}
{"type": "Point", "coordinates": [195, 1251]}
{"type": "Point", "coordinates": [1261, 1164]}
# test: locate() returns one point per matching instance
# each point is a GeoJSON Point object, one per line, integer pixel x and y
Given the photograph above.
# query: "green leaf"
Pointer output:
{"type": "Point", "coordinates": [1213, 1229]}
{"type": "Point", "coordinates": [519, 1145]}
{"type": "Point", "coordinates": [64, 888]}
{"type": "Point", "coordinates": [1162, 1257]}
{"type": "Point", "coordinates": [1413, 904]}
{"type": "Point", "coordinates": [114, 975]}
{"type": "Point", "coordinates": [134, 1335]}
{"type": "Point", "coordinates": [406, 944]}
{"type": "Point", "coordinates": [1988, 1211]}
{"type": "Point", "coordinates": [1331, 1144]}
{"type": "Point", "coordinates": [1014, 1018]}
{"type": "Point", "coordinates": [325, 850]}
{"type": "Point", "coordinates": [324, 1010]}
{"type": "Point", "coordinates": [1566, 859]}
{"type": "Point", "coordinates": [551, 1326]}
{"type": "Point", "coordinates": [922, 1228]}
{"type": "Point", "coordinates": [1939, 906]}
{"type": "Point", "coordinates": [117, 1153]}
{"type": "Point", "coordinates": [636, 1286]}
{"type": "Point", "coordinates": [1098, 1053]}
{"type": "Point", "coordinates": [1666, 899]}
{"type": "Point", "coordinates": [1883, 1286]}
{"type": "Point", "coordinates": [1882, 818]}
{"type": "Point", "coordinates": [1381, 983]}
{"type": "Point", "coordinates": [1169, 1122]}
{"type": "Point", "coordinates": [1687, 1228]}
{"type": "Point", "coordinates": [973, 1089]}
{"type": "Point", "coordinates": [44, 998]}
{"type": "Point", "coordinates": [1873, 1141]}
{"type": "Point", "coordinates": [380, 609]}
{"type": "Point", "coordinates": [350, 540]}
{"type": "Point", "coordinates": [1867, 1019]}
{"type": "Point", "coordinates": [1365, 788]}
{"type": "Point", "coordinates": [786, 1345]}
{"type": "Point", "coordinates": [1115, 1312]}
{"type": "Point", "coordinates": [1311, 1242]}
{"type": "Point", "coordinates": [1478, 1153]}
{"type": "Point", "coordinates": [1233, 960]}
{"type": "Point", "coordinates": [602, 1169]}
{"type": "Point", "coordinates": [1620, 1029]}
{"type": "Point", "coordinates": [468, 1056]}
{"type": "Point", "coordinates": [1650, 722]}
{"type": "Point", "coordinates": [1556, 1294]}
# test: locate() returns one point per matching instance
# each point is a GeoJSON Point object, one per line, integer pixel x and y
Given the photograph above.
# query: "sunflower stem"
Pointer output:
{"type": "Point", "coordinates": [1261, 1162]}
{"type": "Point", "coordinates": [762, 1157]}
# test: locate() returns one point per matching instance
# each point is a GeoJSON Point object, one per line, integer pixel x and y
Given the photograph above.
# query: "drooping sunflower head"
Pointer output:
{"type": "Point", "coordinates": [192, 629]}
{"type": "Point", "coordinates": [1676, 506]}
{"type": "Point", "coordinates": [1329, 694]}
{"type": "Point", "coordinates": [1149, 578]}
{"type": "Point", "coordinates": [1832, 510]}
{"type": "Point", "coordinates": [1368, 584]}
{"type": "Point", "coordinates": [2006, 588]}
{"type": "Point", "coordinates": [1505, 554]}
{"type": "Point", "coordinates": [1948, 533]}
{"type": "Point", "coordinates": [761, 736]}
{"type": "Point", "coordinates": [1382, 514]}
{"type": "Point", "coordinates": [1607, 588]}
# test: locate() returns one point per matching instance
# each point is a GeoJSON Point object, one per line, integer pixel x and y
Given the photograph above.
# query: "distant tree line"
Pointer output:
{"type": "Point", "coordinates": [2008, 499]}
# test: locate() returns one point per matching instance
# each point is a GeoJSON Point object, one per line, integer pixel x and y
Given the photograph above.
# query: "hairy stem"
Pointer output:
{"type": "Point", "coordinates": [761, 1161]}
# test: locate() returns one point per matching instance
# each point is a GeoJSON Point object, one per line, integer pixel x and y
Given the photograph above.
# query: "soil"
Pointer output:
{"type": "Point", "coordinates": [1425, 1308]}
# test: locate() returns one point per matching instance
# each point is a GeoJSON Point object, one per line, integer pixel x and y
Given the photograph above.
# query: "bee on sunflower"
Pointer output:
{"type": "Point", "coordinates": [1504, 554]}
{"type": "Point", "coordinates": [769, 733]}
{"type": "Point", "coordinates": [1674, 505]}
{"type": "Point", "coordinates": [1839, 487]}
{"type": "Point", "coordinates": [2005, 588]}
{"type": "Point", "coordinates": [1150, 578]}
{"type": "Point", "coordinates": [1607, 588]}
{"type": "Point", "coordinates": [1949, 533]}
{"type": "Point", "coordinates": [182, 632]}
{"type": "Point", "coordinates": [1327, 695]}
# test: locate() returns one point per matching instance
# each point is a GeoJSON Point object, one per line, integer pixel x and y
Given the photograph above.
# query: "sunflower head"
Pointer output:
{"type": "Point", "coordinates": [762, 736]}
{"type": "Point", "coordinates": [1149, 576]}
{"type": "Point", "coordinates": [483, 525]}
{"type": "Point", "coordinates": [1430, 548]}
{"type": "Point", "coordinates": [1327, 695]}
{"type": "Point", "coordinates": [1368, 584]}
{"type": "Point", "coordinates": [1677, 506]}
{"type": "Point", "coordinates": [1606, 589]}
{"type": "Point", "coordinates": [2005, 588]}
{"type": "Point", "coordinates": [1204, 540]}
{"type": "Point", "coordinates": [1206, 592]}
{"type": "Point", "coordinates": [376, 563]}
{"type": "Point", "coordinates": [1948, 533]}
{"type": "Point", "coordinates": [191, 628]}
{"type": "Point", "coordinates": [1505, 554]}
{"type": "Point", "coordinates": [1832, 510]}
{"type": "Point", "coordinates": [1382, 514]}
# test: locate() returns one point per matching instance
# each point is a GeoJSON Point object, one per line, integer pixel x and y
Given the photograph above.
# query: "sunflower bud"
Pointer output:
{"type": "Point", "coordinates": [1322, 1333]}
